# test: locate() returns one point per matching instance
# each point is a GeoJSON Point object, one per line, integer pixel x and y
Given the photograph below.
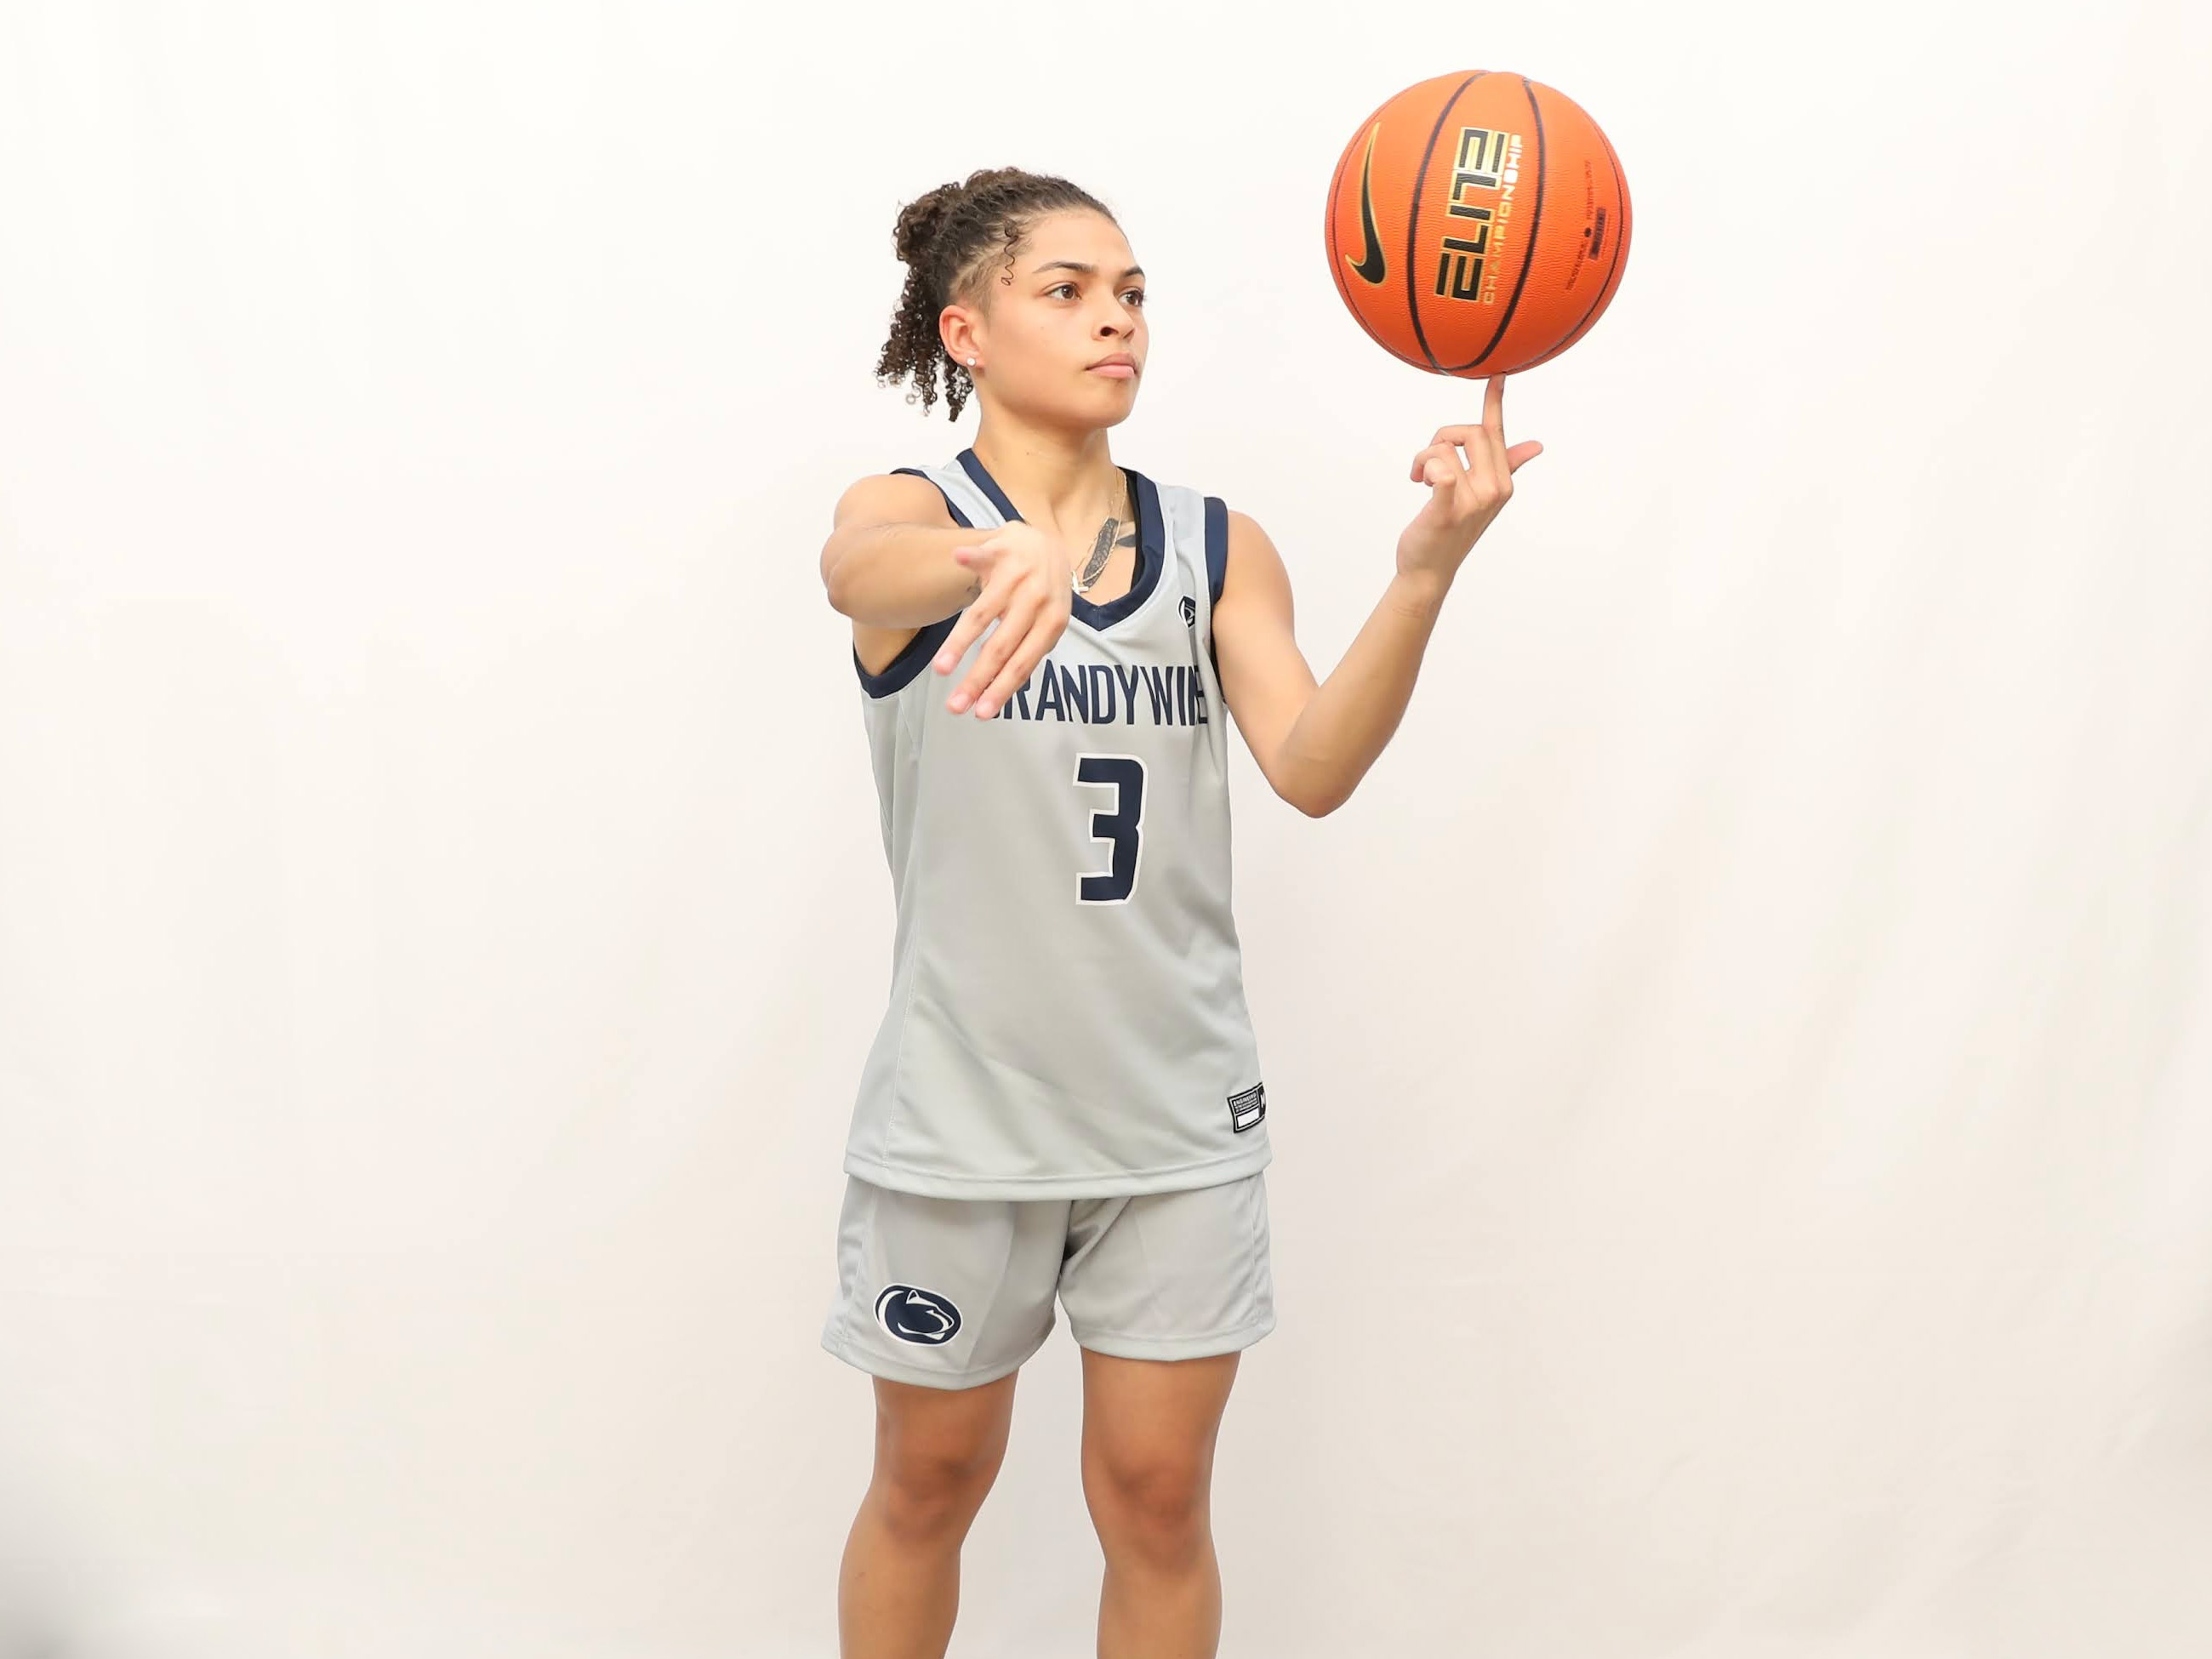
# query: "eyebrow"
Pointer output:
{"type": "Point", "coordinates": [1088, 270]}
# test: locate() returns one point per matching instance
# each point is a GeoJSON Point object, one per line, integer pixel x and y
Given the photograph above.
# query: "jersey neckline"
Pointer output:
{"type": "Point", "coordinates": [1151, 542]}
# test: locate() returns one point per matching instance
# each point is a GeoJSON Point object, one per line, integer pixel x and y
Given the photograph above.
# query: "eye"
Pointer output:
{"type": "Point", "coordinates": [1126, 292]}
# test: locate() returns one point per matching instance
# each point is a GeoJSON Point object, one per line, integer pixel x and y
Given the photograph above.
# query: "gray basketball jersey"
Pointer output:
{"type": "Point", "coordinates": [1066, 1014]}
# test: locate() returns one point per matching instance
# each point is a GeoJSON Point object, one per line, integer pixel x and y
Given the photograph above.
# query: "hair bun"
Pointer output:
{"type": "Point", "coordinates": [919, 221]}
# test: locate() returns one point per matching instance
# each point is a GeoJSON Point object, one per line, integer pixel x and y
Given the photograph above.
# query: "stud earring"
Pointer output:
{"type": "Point", "coordinates": [971, 363]}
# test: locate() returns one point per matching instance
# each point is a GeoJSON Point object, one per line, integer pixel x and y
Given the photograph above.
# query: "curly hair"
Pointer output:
{"type": "Point", "coordinates": [947, 240]}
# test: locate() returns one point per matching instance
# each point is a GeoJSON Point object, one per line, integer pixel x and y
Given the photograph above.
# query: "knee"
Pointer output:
{"type": "Point", "coordinates": [924, 1495]}
{"type": "Point", "coordinates": [1153, 1509]}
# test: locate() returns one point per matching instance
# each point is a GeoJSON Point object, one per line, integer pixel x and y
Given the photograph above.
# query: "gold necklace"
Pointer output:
{"type": "Point", "coordinates": [1102, 548]}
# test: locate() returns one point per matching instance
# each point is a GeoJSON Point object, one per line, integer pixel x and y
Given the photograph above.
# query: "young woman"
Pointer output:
{"type": "Point", "coordinates": [1065, 1096]}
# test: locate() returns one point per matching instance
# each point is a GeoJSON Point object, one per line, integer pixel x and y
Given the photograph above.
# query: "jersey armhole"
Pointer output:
{"type": "Point", "coordinates": [899, 673]}
{"type": "Point", "coordinates": [1217, 570]}
{"type": "Point", "coordinates": [1217, 547]}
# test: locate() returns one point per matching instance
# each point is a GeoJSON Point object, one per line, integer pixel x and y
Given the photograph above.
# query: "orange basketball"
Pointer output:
{"type": "Point", "coordinates": [1478, 224]}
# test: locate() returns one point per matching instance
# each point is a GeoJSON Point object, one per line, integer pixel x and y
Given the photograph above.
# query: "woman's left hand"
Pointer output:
{"type": "Point", "coordinates": [1462, 500]}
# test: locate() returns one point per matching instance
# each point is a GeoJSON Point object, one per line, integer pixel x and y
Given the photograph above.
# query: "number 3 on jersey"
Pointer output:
{"type": "Point", "coordinates": [1125, 775]}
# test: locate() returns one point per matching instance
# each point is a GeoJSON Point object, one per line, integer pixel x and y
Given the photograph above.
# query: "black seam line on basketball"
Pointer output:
{"type": "Point", "coordinates": [1612, 271]}
{"type": "Point", "coordinates": [1413, 219]}
{"type": "Point", "coordinates": [1336, 276]}
{"type": "Point", "coordinates": [1527, 242]}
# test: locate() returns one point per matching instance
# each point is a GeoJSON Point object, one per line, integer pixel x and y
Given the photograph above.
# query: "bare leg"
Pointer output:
{"type": "Point", "coordinates": [1149, 1429]}
{"type": "Point", "coordinates": [937, 1451]}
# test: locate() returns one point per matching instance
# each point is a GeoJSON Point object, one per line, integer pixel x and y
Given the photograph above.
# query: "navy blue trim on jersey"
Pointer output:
{"type": "Point", "coordinates": [1151, 554]}
{"type": "Point", "coordinates": [1151, 542]}
{"type": "Point", "coordinates": [900, 670]}
{"type": "Point", "coordinates": [989, 485]}
{"type": "Point", "coordinates": [1217, 569]}
{"type": "Point", "coordinates": [1217, 546]}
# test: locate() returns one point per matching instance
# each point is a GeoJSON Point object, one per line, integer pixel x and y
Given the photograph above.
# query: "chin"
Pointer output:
{"type": "Point", "coordinates": [1094, 413]}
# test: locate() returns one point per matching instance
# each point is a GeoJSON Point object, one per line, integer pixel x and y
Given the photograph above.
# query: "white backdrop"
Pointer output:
{"type": "Point", "coordinates": [1740, 1065]}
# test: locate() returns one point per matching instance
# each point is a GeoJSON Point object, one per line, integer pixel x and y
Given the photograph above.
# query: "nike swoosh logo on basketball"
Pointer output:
{"type": "Point", "coordinates": [1370, 268]}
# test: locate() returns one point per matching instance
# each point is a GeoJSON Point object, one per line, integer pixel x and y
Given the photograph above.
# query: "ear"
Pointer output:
{"type": "Point", "coordinates": [959, 327]}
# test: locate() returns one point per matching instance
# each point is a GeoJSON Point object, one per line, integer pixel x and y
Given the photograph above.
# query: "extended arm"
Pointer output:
{"type": "Point", "coordinates": [889, 562]}
{"type": "Point", "coordinates": [1314, 741]}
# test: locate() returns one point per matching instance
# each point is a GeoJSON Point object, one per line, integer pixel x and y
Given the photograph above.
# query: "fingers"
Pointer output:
{"type": "Point", "coordinates": [1484, 443]}
{"type": "Point", "coordinates": [1493, 414]}
{"type": "Point", "coordinates": [1031, 634]}
{"type": "Point", "coordinates": [1013, 629]}
{"type": "Point", "coordinates": [1493, 430]}
{"type": "Point", "coordinates": [1480, 468]}
{"type": "Point", "coordinates": [1451, 471]}
{"type": "Point", "coordinates": [1012, 677]}
{"type": "Point", "coordinates": [1485, 467]}
{"type": "Point", "coordinates": [1490, 465]}
{"type": "Point", "coordinates": [973, 621]}
{"type": "Point", "coordinates": [1021, 578]}
{"type": "Point", "coordinates": [1439, 466]}
{"type": "Point", "coordinates": [982, 558]}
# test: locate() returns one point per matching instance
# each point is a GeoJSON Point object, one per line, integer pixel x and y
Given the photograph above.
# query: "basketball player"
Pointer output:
{"type": "Point", "coordinates": [1064, 1097]}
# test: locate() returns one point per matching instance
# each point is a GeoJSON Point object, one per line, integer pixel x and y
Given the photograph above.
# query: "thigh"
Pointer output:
{"type": "Point", "coordinates": [1180, 1275]}
{"type": "Point", "coordinates": [942, 1292]}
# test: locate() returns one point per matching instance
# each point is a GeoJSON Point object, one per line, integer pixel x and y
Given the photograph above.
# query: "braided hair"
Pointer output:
{"type": "Point", "coordinates": [949, 239]}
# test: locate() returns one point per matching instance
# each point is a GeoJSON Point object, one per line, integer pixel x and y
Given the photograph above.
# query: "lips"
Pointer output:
{"type": "Point", "coordinates": [1119, 359]}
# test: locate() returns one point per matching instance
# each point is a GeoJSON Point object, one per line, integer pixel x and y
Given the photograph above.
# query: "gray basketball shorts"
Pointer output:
{"type": "Point", "coordinates": [954, 1292]}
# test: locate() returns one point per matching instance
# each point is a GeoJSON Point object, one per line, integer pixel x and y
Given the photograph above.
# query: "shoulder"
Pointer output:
{"type": "Point", "coordinates": [1250, 554]}
{"type": "Point", "coordinates": [1244, 530]}
{"type": "Point", "coordinates": [892, 497]}
{"type": "Point", "coordinates": [1233, 540]}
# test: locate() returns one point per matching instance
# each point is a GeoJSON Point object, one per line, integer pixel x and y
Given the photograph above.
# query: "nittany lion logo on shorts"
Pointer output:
{"type": "Point", "coordinates": [914, 1315]}
{"type": "Point", "coordinates": [1190, 611]}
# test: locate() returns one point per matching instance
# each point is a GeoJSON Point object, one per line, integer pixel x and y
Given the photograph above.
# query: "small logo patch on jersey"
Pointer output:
{"type": "Point", "coordinates": [1190, 611]}
{"type": "Point", "coordinates": [916, 1315]}
{"type": "Point", "coordinates": [1248, 1107]}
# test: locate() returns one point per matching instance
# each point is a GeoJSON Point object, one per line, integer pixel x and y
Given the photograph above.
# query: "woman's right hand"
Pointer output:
{"type": "Point", "coordinates": [1022, 577]}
